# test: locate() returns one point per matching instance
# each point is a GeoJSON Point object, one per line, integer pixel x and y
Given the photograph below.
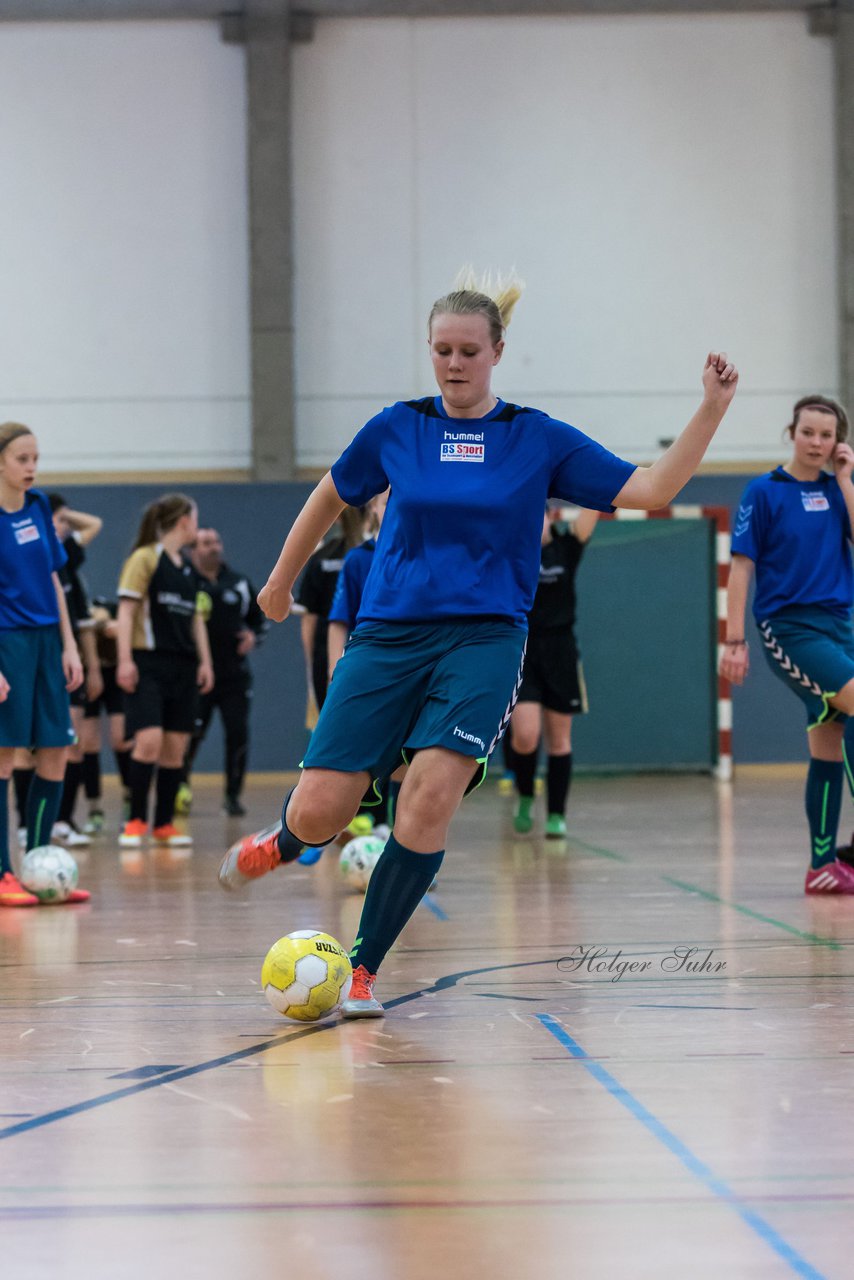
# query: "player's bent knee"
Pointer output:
{"type": "Point", "coordinates": [316, 813]}
{"type": "Point", "coordinates": [844, 699]}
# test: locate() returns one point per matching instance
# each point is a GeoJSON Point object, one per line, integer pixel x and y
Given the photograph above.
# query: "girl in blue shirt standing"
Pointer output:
{"type": "Point", "coordinates": [38, 654]}
{"type": "Point", "coordinates": [794, 527]}
{"type": "Point", "coordinates": [431, 671]}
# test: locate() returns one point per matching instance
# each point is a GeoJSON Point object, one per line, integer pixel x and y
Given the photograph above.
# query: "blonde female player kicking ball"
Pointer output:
{"type": "Point", "coordinates": [431, 670]}
{"type": "Point", "coordinates": [38, 654]}
{"type": "Point", "coordinates": [794, 527]}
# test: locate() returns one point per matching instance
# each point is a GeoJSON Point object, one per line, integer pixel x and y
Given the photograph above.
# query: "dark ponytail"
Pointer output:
{"type": "Point", "coordinates": [161, 516]}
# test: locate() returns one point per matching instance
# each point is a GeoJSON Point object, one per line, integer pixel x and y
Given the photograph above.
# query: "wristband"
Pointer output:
{"type": "Point", "coordinates": [735, 644]}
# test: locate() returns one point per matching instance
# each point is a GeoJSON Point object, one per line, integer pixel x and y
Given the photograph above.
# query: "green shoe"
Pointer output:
{"type": "Point", "coordinates": [184, 799]}
{"type": "Point", "coordinates": [522, 820]}
{"type": "Point", "coordinates": [555, 826]}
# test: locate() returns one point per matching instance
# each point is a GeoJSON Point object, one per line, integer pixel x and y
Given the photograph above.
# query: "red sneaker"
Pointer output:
{"type": "Point", "coordinates": [171, 836]}
{"type": "Point", "coordinates": [361, 1002]}
{"type": "Point", "coordinates": [13, 893]}
{"type": "Point", "coordinates": [833, 877]}
{"type": "Point", "coordinates": [76, 895]}
{"type": "Point", "coordinates": [133, 833]}
{"type": "Point", "coordinates": [251, 857]}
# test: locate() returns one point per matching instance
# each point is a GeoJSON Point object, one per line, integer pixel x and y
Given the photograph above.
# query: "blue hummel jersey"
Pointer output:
{"type": "Point", "coordinates": [798, 534]}
{"type": "Point", "coordinates": [350, 586]}
{"type": "Point", "coordinates": [462, 529]}
{"type": "Point", "coordinates": [29, 553]}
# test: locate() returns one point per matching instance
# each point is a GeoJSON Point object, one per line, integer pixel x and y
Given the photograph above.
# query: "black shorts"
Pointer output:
{"type": "Point", "coordinates": [552, 675]}
{"type": "Point", "coordinates": [77, 697]}
{"type": "Point", "coordinates": [165, 697]}
{"type": "Point", "coordinates": [112, 700]}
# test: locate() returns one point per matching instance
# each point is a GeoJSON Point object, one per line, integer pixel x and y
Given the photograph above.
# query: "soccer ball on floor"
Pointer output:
{"type": "Point", "coordinates": [306, 975]}
{"type": "Point", "coordinates": [49, 872]}
{"type": "Point", "coordinates": [358, 859]}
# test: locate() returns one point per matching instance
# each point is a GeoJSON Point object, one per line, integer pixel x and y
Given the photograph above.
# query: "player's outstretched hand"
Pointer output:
{"type": "Point", "coordinates": [735, 663]}
{"type": "Point", "coordinates": [275, 601]}
{"type": "Point", "coordinates": [720, 379]}
{"type": "Point", "coordinates": [843, 461]}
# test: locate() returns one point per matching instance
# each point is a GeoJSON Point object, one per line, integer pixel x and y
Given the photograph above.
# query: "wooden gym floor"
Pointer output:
{"type": "Point", "coordinates": [522, 1111]}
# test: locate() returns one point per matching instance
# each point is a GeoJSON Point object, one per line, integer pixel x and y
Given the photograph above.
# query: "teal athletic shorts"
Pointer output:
{"type": "Point", "coordinates": [35, 714]}
{"type": "Point", "coordinates": [812, 652]}
{"type": "Point", "coordinates": [404, 686]}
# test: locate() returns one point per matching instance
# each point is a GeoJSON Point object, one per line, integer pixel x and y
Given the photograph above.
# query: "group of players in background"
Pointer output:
{"type": "Point", "coordinates": [156, 661]}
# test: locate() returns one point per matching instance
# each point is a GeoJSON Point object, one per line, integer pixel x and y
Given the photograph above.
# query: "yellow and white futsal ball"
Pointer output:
{"type": "Point", "coordinates": [306, 975]}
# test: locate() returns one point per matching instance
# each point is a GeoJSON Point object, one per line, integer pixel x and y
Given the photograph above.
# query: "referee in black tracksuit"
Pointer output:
{"type": "Point", "coordinates": [235, 627]}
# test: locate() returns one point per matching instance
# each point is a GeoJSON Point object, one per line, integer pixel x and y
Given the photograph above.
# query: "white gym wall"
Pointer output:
{"type": "Point", "coordinates": [662, 183]}
{"type": "Point", "coordinates": [123, 240]}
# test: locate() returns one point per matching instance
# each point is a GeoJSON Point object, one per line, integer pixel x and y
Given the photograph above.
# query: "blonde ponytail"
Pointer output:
{"type": "Point", "coordinates": [491, 294]}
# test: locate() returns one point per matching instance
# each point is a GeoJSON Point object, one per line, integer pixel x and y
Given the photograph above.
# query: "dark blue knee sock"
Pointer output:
{"type": "Point", "coordinates": [399, 882]}
{"type": "Point", "coordinates": [290, 847]}
{"type": "Point", "coordinates": [42, 808]}
{"type": "Point", "coordinates": [5, 862]}
{"type": "Point", "coordinates": [823, 800]}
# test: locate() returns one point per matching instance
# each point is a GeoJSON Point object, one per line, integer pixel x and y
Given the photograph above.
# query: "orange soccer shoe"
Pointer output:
{"type": "Point", "coordinates": [133, 833]}
{"type": "Point", "coordinates": [171, 836]}
{"type": "Point", "coordinates": [361, 1002]}
{"type": "Point", "coordinates": [251, 857]}
{"type": "Point", "coordinates": [13, 893]}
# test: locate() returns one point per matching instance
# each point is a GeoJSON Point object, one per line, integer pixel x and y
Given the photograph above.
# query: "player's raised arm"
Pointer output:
{"type": "Point", "coordinates": [649, 488]}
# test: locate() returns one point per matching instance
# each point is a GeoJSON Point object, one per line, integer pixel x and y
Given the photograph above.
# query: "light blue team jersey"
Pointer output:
{"type": "Point", "coordinates": [30, 552]}
{"type": "Point", "coordinates": [798, 533]}
{"type": "Point", "coordinates": [350, 586]}
{"type": "Point", "coordinates": [462, 530]}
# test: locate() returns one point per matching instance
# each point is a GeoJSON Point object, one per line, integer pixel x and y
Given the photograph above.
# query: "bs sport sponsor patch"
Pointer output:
{"type": "Point", "coordinates": [815, 502]}
{"type": "Point", "coordinates": [28, 533]}
{"type": "Point", "coordinates": [462, 446]}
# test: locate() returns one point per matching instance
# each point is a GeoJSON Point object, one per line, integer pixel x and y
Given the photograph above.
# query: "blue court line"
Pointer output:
{"type": "Point", "coordinates": [427, 901]}
{"type": "Point", "coordinates": [677, 1148]}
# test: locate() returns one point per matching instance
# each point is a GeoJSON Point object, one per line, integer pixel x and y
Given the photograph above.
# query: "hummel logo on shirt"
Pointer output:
{"type": "Point", "coordinates": [462, 446]}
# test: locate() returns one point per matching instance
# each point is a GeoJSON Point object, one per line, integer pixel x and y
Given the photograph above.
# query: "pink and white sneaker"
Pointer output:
{"type": "Point", "coordinates": [833, 877]}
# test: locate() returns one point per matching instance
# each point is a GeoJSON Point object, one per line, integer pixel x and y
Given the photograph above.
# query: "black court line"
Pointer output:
{"type": "Point", "coordinates": [289, 1037]}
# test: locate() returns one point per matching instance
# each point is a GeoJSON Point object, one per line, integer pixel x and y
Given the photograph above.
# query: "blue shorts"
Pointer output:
{"type": "Point", "coordinates": [812, 652]}
{"type": "Point", "coordinates": [35, 714]}
{"type": "Point", "coordinates": [404, 686]}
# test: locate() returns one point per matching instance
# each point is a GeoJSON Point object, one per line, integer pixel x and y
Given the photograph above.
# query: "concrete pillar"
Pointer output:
{"type": "Point", "coordinates": [845, 160]}
{"type": "Point", "coordinates": [267, 29]}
